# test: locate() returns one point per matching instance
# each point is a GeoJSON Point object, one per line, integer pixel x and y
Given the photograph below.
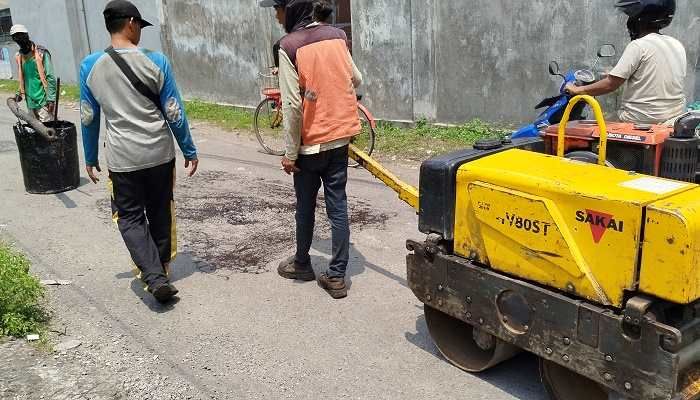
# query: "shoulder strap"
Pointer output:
{"type": "Point", "coordinates": [135, 81]}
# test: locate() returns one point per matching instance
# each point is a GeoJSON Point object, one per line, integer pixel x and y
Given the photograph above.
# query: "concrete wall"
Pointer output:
{"type": "Point", "coordinates": [72, 29]}
{"type": "Point", "coordinates": [453, 60]}
{"type": "Point", "coordinates": [218, 47]}
{"type": "Point", "coordinates": [696, 97]}
{"type": "Point", "coordinates": [99, 38]}
{"type": "Point", "coordinates": [49, 25]}
{"type": "Point", "coordinates": [444, 60]}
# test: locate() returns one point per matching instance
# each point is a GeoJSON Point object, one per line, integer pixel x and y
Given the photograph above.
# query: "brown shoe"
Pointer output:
{"type": "Point", "coordinates": [334, 286]}
{"type": "Point", "coordinates": [289, 269]}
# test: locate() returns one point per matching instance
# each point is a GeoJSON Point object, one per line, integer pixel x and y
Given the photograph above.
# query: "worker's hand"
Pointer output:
{"type": "Point", "coordinates": [51, 105]}
{"type": "Point", "coordinates": [18, 97]}
{"type": "Point", "coordinates": [289, 166]}
{"type": "Point", "coordinates": [91, 172]}
{"type": "Point", "coordinates": [192, 165]}
{"type": "Point", "coordinates": [572, 89]}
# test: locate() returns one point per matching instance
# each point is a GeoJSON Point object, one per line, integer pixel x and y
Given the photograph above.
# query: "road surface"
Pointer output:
{"type": "Point", "coordinates": [239, 330]}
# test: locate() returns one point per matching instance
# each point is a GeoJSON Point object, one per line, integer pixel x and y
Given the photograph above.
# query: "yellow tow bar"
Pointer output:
{"type": "Point", "coordinates": [410, 195]}
{"type": "Point", "coordinates": [406, 192]}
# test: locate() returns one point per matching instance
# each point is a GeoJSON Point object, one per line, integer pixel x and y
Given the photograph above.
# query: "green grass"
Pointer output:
{"type": "Point", "coordinates": [414, 143]}
{"type": "Point", "coordinates": [21, 311]}
{"type": "Point", "coordinates": [9, 86]}
{"type": "Point", "coordinates": [226, 117]}
{"type": "Point", "coordinates": [425, 140]}
{"type": "Point", "coordinates": [68, 92]}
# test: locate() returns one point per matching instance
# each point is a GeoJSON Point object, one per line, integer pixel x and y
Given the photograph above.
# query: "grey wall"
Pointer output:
{"type": "Point", "coordinates": [218, 47]}
{"type": "Point", "coordinates": [383, 51]}
{"type": "Point", "coordinates": [453, 60]}
{"type": "Point", "coordinates": [99, 38]}
{"type": "Point", "coordinates": [71, 31]}
{"type": "Point", "coordinates": [697, 81]}
{"type": "Point", "coordinates": [49, 25]}
{"type": "Point", "coordinates": [444, 60]}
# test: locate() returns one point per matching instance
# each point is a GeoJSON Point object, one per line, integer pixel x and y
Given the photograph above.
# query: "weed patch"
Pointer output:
{"type": "Point", "coordinates": [20, 295]}
{"type": "Point", "coordinates": [227, 117]}
{"type": "Point", "coordinates": [426, 140]}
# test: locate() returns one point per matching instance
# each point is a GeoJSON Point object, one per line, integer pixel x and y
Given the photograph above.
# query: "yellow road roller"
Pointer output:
{"type": "Point", "coordinates": [593, 269]}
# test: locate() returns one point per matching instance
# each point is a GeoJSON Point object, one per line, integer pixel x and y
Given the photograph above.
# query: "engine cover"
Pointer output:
{"type": "Point", "coordinates": [576, 227]}
{"type": "Point", "coordinates": [631, 147]}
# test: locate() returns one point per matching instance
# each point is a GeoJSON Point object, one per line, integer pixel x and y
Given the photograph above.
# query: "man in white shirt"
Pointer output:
{"type": "Point", "coordinates": [652, 69]}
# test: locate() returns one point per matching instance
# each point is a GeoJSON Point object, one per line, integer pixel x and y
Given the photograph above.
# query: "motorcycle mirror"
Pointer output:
{"type": "Point", "coordinates": [554, 68]}
{"type": "Point", "coordinates": [607, 50]}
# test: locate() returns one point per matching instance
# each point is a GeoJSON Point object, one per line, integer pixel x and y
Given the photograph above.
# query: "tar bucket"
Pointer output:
{"type": "Point", "coordinates": [49, 164]}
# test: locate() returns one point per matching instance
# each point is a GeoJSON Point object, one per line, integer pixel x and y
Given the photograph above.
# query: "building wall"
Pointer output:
{"type": "Point", "coordinates": [99, 38]}
{"type": "Point", "coordinates": [72, 29]}
{"type": "Point", "coordinates": [444, 60]}
{"type": "Point", "coordinates": [49, 24]}
{"type": "Point", "coordinates": [218, 47]}
{"type": "Point", "coordinates": [453, 60]}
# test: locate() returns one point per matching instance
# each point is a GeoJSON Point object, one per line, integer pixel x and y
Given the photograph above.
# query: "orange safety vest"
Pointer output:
{"type": "Point", "coordinates": [38, 57]}
{"type": "Point", "coordinates": [321, 57]}
{"type": "Point", "coordinates": [330, 101]}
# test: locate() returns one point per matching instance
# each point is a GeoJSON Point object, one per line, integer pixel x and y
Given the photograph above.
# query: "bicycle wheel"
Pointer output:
{"type": "Point", "coordinates": [267, 124]}
{"type": "Point", "coordinates": [365, 140]}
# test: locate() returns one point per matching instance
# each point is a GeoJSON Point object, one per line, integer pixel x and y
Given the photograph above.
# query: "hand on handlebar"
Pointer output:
{"type": "Point", "coordinates": [572, 89]}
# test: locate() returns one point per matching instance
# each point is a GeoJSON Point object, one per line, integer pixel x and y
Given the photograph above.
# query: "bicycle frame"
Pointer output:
{"type": "Point", "coordinates": [277, 98]}
{"type": "Point", "coordinates": [369, 115]}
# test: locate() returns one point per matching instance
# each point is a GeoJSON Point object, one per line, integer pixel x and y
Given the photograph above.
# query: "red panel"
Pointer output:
{"type": "Point", "coordinates": [617, 131]}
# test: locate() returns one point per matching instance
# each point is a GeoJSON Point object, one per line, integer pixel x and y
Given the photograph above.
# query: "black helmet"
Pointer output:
{"type": "Point", "coordinates": [654, 14]}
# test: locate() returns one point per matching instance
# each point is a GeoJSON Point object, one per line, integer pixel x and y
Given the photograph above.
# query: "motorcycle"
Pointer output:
{"type": "Point", "coordinates": [557, 104]}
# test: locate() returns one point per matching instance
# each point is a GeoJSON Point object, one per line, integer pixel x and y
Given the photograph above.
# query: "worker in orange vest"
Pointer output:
{"type": "Point", "coordinates": [317, 80]}
{"type": "Point", "coordinates": [37, 82]}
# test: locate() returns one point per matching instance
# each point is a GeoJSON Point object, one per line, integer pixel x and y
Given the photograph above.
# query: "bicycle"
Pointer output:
{"type": "Point", "coordinates": [268, 120]}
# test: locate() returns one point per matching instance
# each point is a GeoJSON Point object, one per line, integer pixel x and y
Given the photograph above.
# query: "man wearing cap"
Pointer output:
{"type": "Point", "coordinates": [37, 82]}
{"type": "Point", "coordinates": [135, 90]}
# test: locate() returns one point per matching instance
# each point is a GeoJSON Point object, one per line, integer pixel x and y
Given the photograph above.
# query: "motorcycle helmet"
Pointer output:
{"type": "Point", "coordinates": [647, 14]}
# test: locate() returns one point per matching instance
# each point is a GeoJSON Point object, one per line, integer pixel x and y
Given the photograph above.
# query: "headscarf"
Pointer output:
{"type": "Point", "coordinates": [299, 14]}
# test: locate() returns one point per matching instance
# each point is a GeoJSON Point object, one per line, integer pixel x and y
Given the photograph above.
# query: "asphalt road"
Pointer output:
{"type": "Point", "coordinates": [239, 331]}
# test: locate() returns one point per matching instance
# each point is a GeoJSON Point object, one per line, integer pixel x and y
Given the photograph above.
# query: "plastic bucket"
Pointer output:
{"type": "Point", "coordinates": [49, 166]}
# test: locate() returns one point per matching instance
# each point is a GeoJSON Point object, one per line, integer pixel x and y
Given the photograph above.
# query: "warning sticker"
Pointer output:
{"type": "Point", "coordinates": [654, 185]}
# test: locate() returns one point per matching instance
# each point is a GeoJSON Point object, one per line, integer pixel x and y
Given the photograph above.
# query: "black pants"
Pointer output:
{"type": "Point", "coordinates": [331, 169]}
{"type": "Point", "coordinates": [144, 210]}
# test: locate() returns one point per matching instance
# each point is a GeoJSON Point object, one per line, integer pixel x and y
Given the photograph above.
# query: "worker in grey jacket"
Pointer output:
{"type": "Point", "coordinates": [140, 146]}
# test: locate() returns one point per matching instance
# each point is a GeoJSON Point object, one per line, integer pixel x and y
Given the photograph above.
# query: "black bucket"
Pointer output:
{"type": "Point", "coordinates": [49, 166]}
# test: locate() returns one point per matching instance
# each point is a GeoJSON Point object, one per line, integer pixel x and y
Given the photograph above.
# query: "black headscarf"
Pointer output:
{"type": "Point", "coordinates": [299, 14]}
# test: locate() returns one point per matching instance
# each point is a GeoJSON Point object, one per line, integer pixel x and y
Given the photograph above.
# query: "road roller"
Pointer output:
{"type": "Point", "coordinates": [593, 269]}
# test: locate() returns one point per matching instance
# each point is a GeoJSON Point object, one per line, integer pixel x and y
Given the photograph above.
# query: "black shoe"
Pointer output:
{"type": "Point", "coordinates": [334, 286]}
{"type": "Point", "coordinates": [165, 293]}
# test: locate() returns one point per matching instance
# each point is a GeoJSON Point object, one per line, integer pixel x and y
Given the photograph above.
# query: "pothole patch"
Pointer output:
{"type": "Point", "coordinates": [235, 223]}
